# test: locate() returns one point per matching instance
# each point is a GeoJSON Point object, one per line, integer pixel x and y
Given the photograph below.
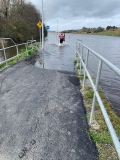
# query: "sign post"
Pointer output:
{"type": "Point", "coordinates": [47, 27]}
{"type": "Point", "coordinates": [40, 34]}
{"type": "Point", "coordinates": [39, 24]}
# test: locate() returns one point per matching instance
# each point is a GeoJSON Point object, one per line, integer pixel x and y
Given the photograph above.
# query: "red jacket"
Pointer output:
{"type": "Point", "coordinates": [61, 36]}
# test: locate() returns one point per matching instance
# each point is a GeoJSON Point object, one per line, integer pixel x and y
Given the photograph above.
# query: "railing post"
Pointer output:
{"type": "Point", "coordinates": [96, 86]}
{"type": "Point", "coordinates": [26, 45]}
{"type": "Point", "coordinates": [79, 59]}
{"type": "Point", "coordinates": [32, 45]}
{"type": "Point", "coordinates": [17, 51]}
{"type": "Point", "coordinates": [4, 53]}
{"type": "Point", "coordinates": [77, 52]}
{"type": "Point", "coordinates": [86, 63]}
{"type": "Point", "coordinates": [81, 53]}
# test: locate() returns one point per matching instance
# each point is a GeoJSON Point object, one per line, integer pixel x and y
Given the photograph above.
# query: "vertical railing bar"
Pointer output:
{"type": "Point", "coordinates": [96, 87]}
{"type": "Point", "coordinates": [80, 59]}
{"type": "Point", "coordinates": [4, 53]}
{"type": "Point", "coordinates": [99, 74]}
{"type": "Point", "coordinates": [27, 48]}
{"type": "Point", "coordinates": [77, 53]}
{"type": "Point", "coordinates": [17, 51]}
{"type": "Point", "coordinates": [32, 45]}
{"type": "Point", "coordinates": [86, 63]}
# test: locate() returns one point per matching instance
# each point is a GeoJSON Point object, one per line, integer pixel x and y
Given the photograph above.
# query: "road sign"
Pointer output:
{"type": "Point", "coordinates": [47, 27]}
{"type": "Point", "coordinates": [39, 24]}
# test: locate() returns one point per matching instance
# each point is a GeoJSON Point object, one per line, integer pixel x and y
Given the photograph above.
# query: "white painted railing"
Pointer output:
{"type": "Point", "coordinates": [16, 46]}
{"type": "Point", "coordinates": [84, 64]}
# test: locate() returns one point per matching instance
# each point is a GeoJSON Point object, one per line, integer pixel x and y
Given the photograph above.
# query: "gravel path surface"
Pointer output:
{"type": "Point", "coordinates": [42, 116]}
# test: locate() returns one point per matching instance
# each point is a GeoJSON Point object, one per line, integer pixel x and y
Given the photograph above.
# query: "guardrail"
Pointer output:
{"type": "Point", "coordinates": [17, 49]}
{"type": "Point", "coordinates": [79, 50]}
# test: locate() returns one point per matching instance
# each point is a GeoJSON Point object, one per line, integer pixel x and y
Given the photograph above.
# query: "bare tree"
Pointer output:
{"type": "Point", "coordinates": [20, 21]}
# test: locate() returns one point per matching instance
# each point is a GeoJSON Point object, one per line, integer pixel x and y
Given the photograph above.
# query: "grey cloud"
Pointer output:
{"type": "Point", "coordinates": [86, 11]}
{"type": "Point", "coordinates": [81, 8]}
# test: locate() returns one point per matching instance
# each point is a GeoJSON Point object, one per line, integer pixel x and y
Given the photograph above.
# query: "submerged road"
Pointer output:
{"type": "Point", "coordinates": [42, 116]}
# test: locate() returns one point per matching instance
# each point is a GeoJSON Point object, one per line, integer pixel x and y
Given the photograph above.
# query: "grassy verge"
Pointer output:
{"type": "Point", "coordinates": [107, 33]}
{"type": "Point", "coordinates": [22, 55]}
{"type": "Point", "coordinates": [100, 134]}
{"type": "Point", "coordinates": [104, 33]}
{"type": "Point", "coordinates": [98, 130]}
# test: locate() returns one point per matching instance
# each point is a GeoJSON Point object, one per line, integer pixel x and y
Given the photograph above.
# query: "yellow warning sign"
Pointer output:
{"type": "Point", "coordinates": [39, 24]}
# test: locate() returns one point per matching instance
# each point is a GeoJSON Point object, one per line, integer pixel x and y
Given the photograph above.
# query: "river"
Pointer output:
{"type": "Point", "coordinates": [61, 58]}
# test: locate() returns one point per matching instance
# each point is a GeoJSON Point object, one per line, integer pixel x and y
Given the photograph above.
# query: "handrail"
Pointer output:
{"type": "Point", "coordinates": [109, 64]}
{"type": "Point", "coordinates": [16, 46]}
{"type": "Point", "coordinates": [79, 51]}
{"type": "Point", "coordinates": [7, 39]}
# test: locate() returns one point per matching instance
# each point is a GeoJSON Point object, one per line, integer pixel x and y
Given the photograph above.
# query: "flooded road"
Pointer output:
{"type": "Point", "coordinates": [61, 58]}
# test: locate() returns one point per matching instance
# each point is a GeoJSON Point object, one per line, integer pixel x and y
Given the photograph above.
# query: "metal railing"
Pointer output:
{"type": "Point", "coordinates": [16, 46]}
{"type": "Point", "coordinates": [79, 50]}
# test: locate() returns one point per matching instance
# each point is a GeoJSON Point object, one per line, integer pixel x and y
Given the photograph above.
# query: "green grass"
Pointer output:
{"type": "Point", "coordinates": [104, 33]}
{"type": "Point", "coordinates": [2, 66]}
{"type": "Point", "coordinates": [81, 76]}
{"type": "Point", "coordinates": [12, 61]}
{"type": "Point", "coordinates": [101, 136]}
{"type": "Point", "coordinates": [89, 94]}
{"type": "Point", "coordinates": [78, 67]}
{"type": "Point", "coordinates": [108, 33]}
{"type": "Point", "coordinates": [75, 61]}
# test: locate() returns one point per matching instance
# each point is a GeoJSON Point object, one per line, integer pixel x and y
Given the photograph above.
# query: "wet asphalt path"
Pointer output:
{"type": "Point", "coordinates": [42, 116]}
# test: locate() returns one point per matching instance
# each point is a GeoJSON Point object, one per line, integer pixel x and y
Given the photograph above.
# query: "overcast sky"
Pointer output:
{"type": "Point", "coordinates": [75, 14]}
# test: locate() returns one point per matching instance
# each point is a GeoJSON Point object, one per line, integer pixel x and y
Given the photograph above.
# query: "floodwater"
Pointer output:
{"type": "Point", "coordinates": [61, 58]}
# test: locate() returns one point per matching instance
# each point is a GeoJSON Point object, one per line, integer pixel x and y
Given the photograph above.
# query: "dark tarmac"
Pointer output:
{"type": "Point", "coordinates": [42, 116]}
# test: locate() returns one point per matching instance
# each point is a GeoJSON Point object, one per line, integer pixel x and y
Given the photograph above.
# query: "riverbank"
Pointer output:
{"type": "Point", "coordinates": [103, 33]}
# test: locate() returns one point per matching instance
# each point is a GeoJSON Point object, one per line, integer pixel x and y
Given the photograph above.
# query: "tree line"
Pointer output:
{"type": "Point", "coordinates": [99, 29]}
{"type": "Point", "coordinates": [93, 30]}
{"type": "Point", "coordinates": [18, 20]}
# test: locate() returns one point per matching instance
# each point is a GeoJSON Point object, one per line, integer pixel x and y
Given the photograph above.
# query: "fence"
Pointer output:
{"type": "Point", "coordinates": [16, 46]}
{"type": "Point", "coordinates": [80, 51]}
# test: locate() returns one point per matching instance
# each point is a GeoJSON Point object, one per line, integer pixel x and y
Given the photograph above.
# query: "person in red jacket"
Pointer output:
{"type": "Point", "coordinates": [62, 38]}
